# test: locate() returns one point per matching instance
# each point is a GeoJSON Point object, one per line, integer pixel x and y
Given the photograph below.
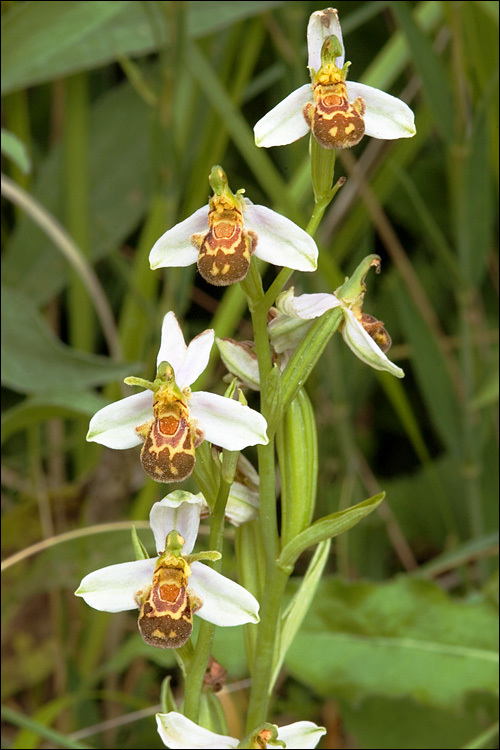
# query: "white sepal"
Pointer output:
{"type": "Point", "coordinates": [285, 123]}
{"type": "Point", "coordinates": [364, 347]}
{"type": "Point", "coordinates": [306, 306]}
{"type": "Point", "coordinates": [114, 425]}
{"type": "Point", "coordinates": [179, 732]}
{"type": "Point", "coordinates": [225, 602]}
{"type": "Point", "coordinates": [174, 247]}
{"type": "Point", "coordinates": [113, 589]}
{"type": "Point", "coordinates": [280, 241]}
{"type": "Point", "coordinates": [386, 116]}
{"type": "Point", "coordinates": [301, 735]}
{"type": "Point", "coordinates": [228, 423]}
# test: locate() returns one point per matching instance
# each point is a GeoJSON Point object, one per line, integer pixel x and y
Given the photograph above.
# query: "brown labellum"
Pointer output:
{"type": "Point", "coordinates": [224, 252]}
{"type": "Point", "coordinates": [166, 615]}
{"type": "Point", "coordinates": [335, 122]}
{"type": "Point", "coordinates": [170, 439]}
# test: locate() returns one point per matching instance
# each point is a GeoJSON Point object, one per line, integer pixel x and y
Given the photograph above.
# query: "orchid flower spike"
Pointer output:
{"type": "Point", "coordinates": [171, 421]}
{"type": "Point", "coordinates": [178, 732]}
{"type": "Point", "coordinates": [363, 334]}
{"type": "Point", "coordinates": [172, 587]}
{"type": "Point", "coordinates": [222, 237]}
{"type": "Point", "coordinates": [336, 111]}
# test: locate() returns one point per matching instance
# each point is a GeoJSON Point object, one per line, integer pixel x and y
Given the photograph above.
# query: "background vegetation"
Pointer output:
{"type": "Point", "coordinates": [115, 113]}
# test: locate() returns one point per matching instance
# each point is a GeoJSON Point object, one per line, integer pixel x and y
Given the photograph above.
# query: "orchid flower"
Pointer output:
{"type": "Point", "coordinates": [336, 111]}
{"type": "Point", "coordinates": [171, 421]}
{"type": "Point", "coordinates": [222, 237]}
{"type": "Point", "coordinates": [172, 587]}
{"type": "Point", "coordinates": [363, 334]}
{"type": "Point", "coordinates": [178, 732]}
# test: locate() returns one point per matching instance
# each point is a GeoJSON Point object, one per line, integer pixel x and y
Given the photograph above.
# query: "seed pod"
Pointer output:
{"type": "Point", "coordinates": [297, 445]}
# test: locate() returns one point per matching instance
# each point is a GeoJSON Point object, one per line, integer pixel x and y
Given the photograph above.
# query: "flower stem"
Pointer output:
{"type": "Point", "coordinates": [264, 652]}
{"type": "Point", "coordinates": [203, 648]}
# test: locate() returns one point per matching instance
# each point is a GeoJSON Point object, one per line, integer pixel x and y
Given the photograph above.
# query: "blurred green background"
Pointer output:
{"type": "Point", "coordinates": [113, 115]}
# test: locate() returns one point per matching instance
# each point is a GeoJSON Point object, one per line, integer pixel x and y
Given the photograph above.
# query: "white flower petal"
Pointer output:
{"type": "Point", "coordinates": [178, 733]}
{"type": "Point", "coordinates": [285, 123]}
{"type": "Point", "coordinates": [112, 589]}
{"type": "Point", "coordinates": [301, 735]}
{"type": "Point", "coordinates": [114, 425]}
{"type": "Point", "coordinates": [226, 422]}
{"type": "Point", "coordinates": [174, 248]}
{"type": "Point", "coordinates": [196, 360]}
{"type": "Point", "coordinates": [240, 362]}
{"type": "Point", "coordinates": [181, 511]}
{"type": "Point", "coordinates": [321, 24]}
{"type": "Point", "coordinates": [306, 306]}
{"type": "Point", "coordinates": [280, 241]}
{"type": "Point", "coordinates": [225, 602]}
{"type": "Point", "coordinates": [173, 348]}
{"type": "Point", "coordinates": [386, 116]}
{"type": "Point", "coordinates": [364, 347]}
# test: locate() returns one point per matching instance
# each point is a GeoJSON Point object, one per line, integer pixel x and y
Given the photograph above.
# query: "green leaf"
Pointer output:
{"type": "Point", "coordinates": [406, 638]}
{"type": "Point", "coordinates": [371, 723]}
{"type": "Point", "coordinates": [207, 473]}
{"type": "Point", "coordinates": [477, 217]}
{"type": "Point", "coordinates": [298, 608]}
{"type": "Point", "coordinates": [36, 361]}
{"type": "Point", "coordinates": [435, 80]}
{"type": "Point", "coordinates": [46, 40]}
{"type": "Point", "coordinates": [431, 371]}
{"type": "Point", "coordinates": [327, 527]}
{"type": "Point", "coordinates": [15, 149]}
{"type": "Point", "coordinates": [307, 353]}
{"type": "Point", "coordinates": [42, 406]}
{"type": "Point", "coordinates": [120, 193]}
{"type": "Point", "coordinates": [140, 550]}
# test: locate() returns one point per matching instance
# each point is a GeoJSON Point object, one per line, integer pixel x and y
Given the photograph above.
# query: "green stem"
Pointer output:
{"type": "Point", "coordinates": [204, 643]}
{"type": "Point", "coordinates": [264, 653]}
{"type": "Point", "coordinates": [253, 290]}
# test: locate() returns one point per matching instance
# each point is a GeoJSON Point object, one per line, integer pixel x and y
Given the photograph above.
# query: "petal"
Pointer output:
{"type": "Point", "coordinates": [301, 735]}
{"type": "Point", "coordinates": [188, 361]}
{"type": "Point", "coordinates": [306, 306]}
{"type": "Point", "coordinates": [178, 733]}
{"type": "Point", "coordinates": [174, 248]}
{"type": "Point", "coordinates": [114, 425]}
{"type": "Point", "coordinates": [225, 602]}
{"type": "Point", "coordinates": [386, 116]}
{"type": "Point", "coordinates": [113, 589]}
{"type": "Point", "coordinates": [197, 356]}
{"type": "Point", "coordinates": [240, 362]}
{"type": "Point", "coordinates": [226, 422]}
{"type": "Point", "coordinates": [285, 123]}
{"type": "Point", "coordinates": [279, 240]}
{"type": "Point", "coordinates": [364, 347]}
{"type": "Point", "coordinates": [172, 345]}
{"type": "Point", "coordinates": [179, 510]}
{"type": "Point", "coordinates": [321, 24]}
